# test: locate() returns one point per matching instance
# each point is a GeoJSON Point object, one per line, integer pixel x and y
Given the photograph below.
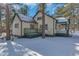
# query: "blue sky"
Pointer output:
{"type": "Point", "coordinates": [33, 8]}
{"type": "Point", "coordinates": [50, 9]}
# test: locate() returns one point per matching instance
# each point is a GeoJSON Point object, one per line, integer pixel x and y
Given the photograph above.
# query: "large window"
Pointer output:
{"type": "Point", "coordinates": [17, 25]}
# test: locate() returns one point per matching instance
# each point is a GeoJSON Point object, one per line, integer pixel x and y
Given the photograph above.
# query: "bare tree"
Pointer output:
{"type": "Point", "coordinates": [7, 22]}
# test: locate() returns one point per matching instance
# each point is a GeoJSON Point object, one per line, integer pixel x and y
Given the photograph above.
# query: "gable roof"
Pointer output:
{"type": "Point", "coordinates": [44, 13]}
{"type": "Point", "coordinates": [23, 18]}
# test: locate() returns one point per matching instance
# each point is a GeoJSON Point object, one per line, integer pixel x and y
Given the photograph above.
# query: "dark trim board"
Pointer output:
{"type": "Point", "coordinates": [62, 35]}
{"type": "Point", "coordinates": [49, 35]}
{"type": "Point", "coordinates": [35, 36]}
{"type": "Point", "coordinates": [15, 35]}
{"type": "Point", "coordinates": [30, 36]}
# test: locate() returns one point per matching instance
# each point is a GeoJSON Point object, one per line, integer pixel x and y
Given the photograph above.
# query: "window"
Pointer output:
{"type": "Point", "coordinates": [31, 26]}
{"type": "Point", "coordinates": [40, 26]}
{"type": "Point", "coordinates": [16, 25]}
{"type": "Point", "coordinates": [39, 18]}
{"type": "Point", "coordinates": [46, 27]}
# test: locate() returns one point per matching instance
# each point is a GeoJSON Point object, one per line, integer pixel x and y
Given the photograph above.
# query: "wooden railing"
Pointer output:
{"type": "Point", "coordinates": [28, 31]}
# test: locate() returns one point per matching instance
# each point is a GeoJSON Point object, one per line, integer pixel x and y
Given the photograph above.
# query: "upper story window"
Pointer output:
{"type": "Point", "coordinates": [39, 18]}
{"type": "Point", "coordinates": [16, 25]}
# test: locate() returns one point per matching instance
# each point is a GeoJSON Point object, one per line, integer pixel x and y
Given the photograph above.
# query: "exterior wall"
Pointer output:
{"type": "Point", "coordinates": [16, 31]}
{"type": "Point", "coordinates": [48, 21]}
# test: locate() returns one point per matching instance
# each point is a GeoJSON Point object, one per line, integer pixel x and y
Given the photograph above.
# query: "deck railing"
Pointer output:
{"type": "Point", "coordinates": [28, 31]}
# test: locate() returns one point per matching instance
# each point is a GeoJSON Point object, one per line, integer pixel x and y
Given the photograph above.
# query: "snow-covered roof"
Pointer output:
{"type": "Point", "coordinates": [62, 19]}
{"type": "Point", "coordinates": [25, 18]}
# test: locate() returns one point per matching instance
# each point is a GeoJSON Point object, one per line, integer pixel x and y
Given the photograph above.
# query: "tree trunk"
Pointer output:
{"type": "Point", "coordinates": [0, 21]}
{"type": "Point", "coordinates": [43, 19]}
{"type": "Point", "coordinates": [7, 22]}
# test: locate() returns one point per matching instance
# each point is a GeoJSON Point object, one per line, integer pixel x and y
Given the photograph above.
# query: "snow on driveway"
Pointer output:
{"type": "Point", "coordinates": [50, 46]}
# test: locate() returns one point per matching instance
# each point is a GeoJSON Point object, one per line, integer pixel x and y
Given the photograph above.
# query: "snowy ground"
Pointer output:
{"type": "Point", "coordinates": [50, 46]}
{"type": "Point", "coordinates": [75, 33]}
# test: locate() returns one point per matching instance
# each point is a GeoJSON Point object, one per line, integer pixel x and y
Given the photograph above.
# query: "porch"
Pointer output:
{"type": "Point", "coordinates": [32, 32]}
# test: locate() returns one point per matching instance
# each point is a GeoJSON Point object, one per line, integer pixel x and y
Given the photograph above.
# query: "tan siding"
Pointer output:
{"type": "Point", "coordinates": [16, 31]}
{"type": "Point", "coordinates": [49, 21]}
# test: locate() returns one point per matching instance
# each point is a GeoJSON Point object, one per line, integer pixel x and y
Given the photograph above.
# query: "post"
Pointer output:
{"type": "Point", "coordinates": [68, 25]}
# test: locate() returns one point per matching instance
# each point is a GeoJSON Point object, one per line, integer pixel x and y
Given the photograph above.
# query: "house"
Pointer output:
{"type": "Point", "coordinates": [22, 24]}
{"type": "Point", "coordinates": [49, 23]}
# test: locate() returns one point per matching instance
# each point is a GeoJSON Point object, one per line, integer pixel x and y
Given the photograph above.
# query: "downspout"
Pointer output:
{"type": "Point", "coordinates": [53, 27]}
{"type": "Point", "coordinates": [21, 28]}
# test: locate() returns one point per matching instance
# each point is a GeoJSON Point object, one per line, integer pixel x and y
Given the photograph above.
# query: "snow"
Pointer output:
{"type": "Point", "coordinates": [50, 46]}
{"type": "Point", "coordinates": [25, 18]}
{"type": "Point", "coordinates": [76, 33]}
{"type": "Point", "coordinates": [10, 48]}
{"type": "Point", "coordinates": [62, 19]}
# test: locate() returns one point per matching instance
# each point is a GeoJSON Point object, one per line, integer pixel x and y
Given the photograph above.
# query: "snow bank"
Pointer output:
{"type": "Point", "coordinates": [76, 33]}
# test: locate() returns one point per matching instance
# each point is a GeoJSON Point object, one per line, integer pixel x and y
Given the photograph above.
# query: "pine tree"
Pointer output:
{"type": "Point", "coordinates": [42, 9]}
